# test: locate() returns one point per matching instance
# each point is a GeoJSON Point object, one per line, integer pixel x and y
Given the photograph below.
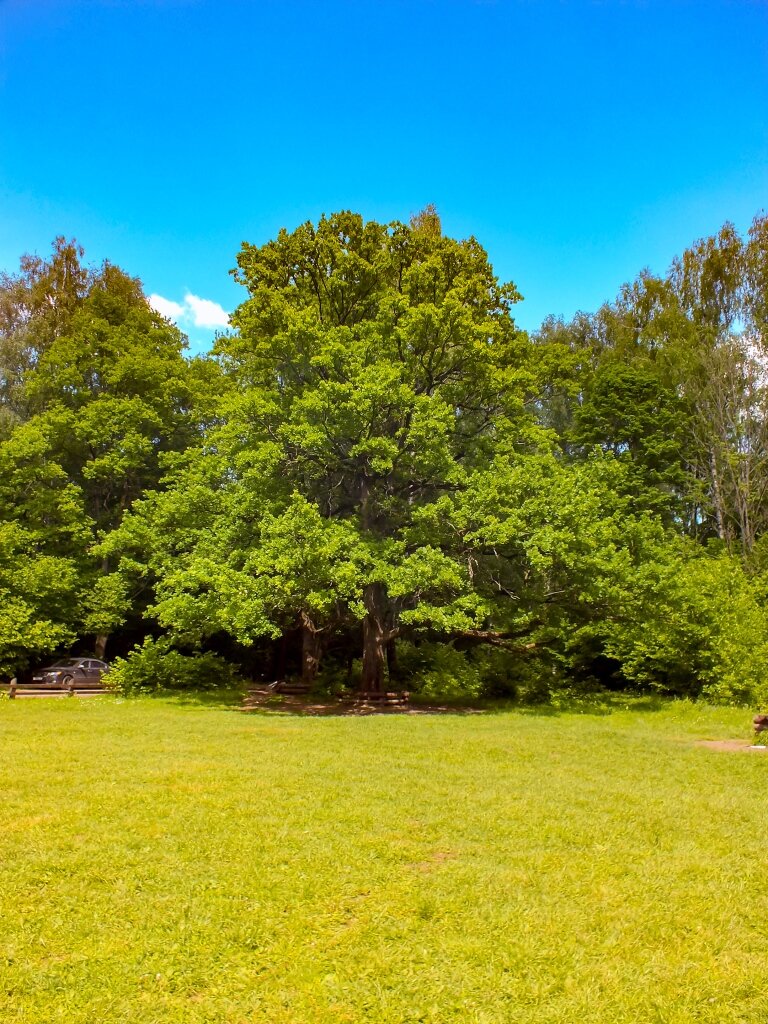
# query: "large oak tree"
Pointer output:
{"type": "Point", "coordinates": [374, 369]}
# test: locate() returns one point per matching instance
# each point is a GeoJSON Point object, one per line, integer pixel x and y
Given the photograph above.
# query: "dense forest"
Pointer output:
{"type": "Point", "coordinates": [376, 479]}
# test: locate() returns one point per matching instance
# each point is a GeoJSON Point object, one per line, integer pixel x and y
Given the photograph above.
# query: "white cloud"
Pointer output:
{"type": "Point", "coordinates": [205, 313]}
{"type": "Point", "coordinates": [170, 310]}
{"type": "Point", "coordinates": [195, 311]}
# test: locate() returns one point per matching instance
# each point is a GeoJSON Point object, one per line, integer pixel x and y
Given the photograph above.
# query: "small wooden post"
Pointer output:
{"type": "Point", "coordinates": [12, 689]}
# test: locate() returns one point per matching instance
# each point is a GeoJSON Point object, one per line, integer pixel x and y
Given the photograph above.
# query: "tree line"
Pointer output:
{"type": "Point", "coordinates": [375, 478]}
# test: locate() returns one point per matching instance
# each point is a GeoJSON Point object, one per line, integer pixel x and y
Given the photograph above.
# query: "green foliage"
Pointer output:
{"type": "Point", "coordinates": [113, 393]}
{"type": "Point", "coordinates": [36, 307]}
{"type": "Point", "coordinates": [156, 665]}
{"type": "Point", "coordinates": [295, 561]}
{"type": "Point", "coordinates": [440, 672]}
{"type": "Point", "coordinates": [693, 624]}
{"type": "Point", "coordinates": [629, 411]}
{"type": "Point", "coordinates": [43, 536]}
{"type": "Point", "coordinates": [99, 395]}
{"type": "Point", "coordinates": [37, 595]}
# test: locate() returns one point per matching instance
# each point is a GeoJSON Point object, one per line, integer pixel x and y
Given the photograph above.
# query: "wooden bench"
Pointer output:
{"type": "Point", "coordinates": [290, 687]}
{"type": "Point", "coordinates": [388, 698]}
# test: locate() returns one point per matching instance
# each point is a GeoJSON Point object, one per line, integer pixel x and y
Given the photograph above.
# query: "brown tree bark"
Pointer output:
{"type": "Point", "coordinates": [375, 637]}
{"type": "Point", "coordinates": [372, 680]}
{"type": "Point", "coordinates": [717, 496]}
{"type": "Point", "coordinates": [100, 646]}
{"type": "Point", "coordinates": [311, 649]}
{"type": "Point", "coordinates": [100, 643]}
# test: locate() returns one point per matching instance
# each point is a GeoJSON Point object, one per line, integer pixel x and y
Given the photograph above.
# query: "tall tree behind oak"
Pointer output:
{"type": "Point", "coordinates": [709, 334]}
{"type": "Point", "coordinates": [689, 352]}
{"type": "Point", "coordinates": [36, 307]}
{"type": "Point", "coordinates": [106, 389]}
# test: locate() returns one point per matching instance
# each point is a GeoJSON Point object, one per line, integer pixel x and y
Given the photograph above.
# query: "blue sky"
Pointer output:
{"type": "Point", "coordinates": [578, 141]}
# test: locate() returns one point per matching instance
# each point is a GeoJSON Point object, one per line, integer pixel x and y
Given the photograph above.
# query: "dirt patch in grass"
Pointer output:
{"type": "Point", "coordinates": [433, 861]}
{"type": "Point", "coordinates": [732, 746]}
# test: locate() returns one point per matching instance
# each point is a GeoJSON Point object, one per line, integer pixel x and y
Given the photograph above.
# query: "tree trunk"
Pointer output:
{"type": "Point", "coordinates": [372, 680]}
{"type": "Point", "coordinates": [100, 645]}
{"type": "Point", "coordinates": [375, 636]}
{"type": "Point", "coordinates": [311, 649]}
{"type": "Point", "coordinates": [717, 496]}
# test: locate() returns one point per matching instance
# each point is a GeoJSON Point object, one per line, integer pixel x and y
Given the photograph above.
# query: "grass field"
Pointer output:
{"type": "Point", "coordinates": [168, 861]}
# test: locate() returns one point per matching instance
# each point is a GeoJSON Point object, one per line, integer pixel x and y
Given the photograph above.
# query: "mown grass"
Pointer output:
{"type": "Point", "coordinates": [169, 861]}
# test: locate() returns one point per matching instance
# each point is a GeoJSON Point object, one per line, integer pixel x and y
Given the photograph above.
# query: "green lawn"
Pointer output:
{"type": "Point", "coordinates": [166, 861]}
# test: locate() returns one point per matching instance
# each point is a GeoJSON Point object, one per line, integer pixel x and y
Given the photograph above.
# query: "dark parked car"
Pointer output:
{"type": "Point", "coordinates": [71, 670]}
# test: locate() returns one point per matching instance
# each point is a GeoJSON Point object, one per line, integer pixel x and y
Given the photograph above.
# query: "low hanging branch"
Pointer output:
{"type": "Point", "coordinates": [497, 638]}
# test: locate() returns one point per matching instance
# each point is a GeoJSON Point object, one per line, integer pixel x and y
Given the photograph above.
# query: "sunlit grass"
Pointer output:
{"type": "Point", "coordinates": [165, 861]}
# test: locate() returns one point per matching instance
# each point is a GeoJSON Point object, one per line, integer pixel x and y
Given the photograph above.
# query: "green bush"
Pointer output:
{"type": "Point", "coordinates": [156, 665]}
{"type": "Point", "coordinates": [438, 671]}
{"type": "Point", "coordinates": [699, 630]}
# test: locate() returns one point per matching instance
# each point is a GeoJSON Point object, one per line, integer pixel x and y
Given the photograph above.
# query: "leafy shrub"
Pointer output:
{"type": "Point", "coordinates": [698, 629]}
{"type": "Point", "coordinates": [439, 671]}
{"type": "Point", "coordinates": [155, 665]}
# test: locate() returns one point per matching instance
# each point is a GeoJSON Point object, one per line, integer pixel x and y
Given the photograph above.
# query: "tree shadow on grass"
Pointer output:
{"type": "Point", "coordinates": [265, 702]}
{"type": "Point", "coordinates": [598, 705]}
{"type": "Point", "coordinates": [220, 700]}
{"type": "Point", "coordinates": [262, 701]}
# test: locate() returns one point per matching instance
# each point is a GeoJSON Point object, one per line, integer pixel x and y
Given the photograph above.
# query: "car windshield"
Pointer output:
{"type": "Point", "coordinates": [69, 663]}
